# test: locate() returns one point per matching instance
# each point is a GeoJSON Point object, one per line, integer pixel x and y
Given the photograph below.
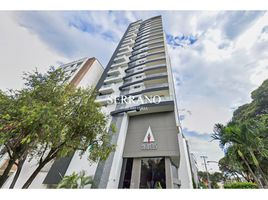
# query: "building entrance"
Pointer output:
{"type": "Point", "coordinates": [153, 173]}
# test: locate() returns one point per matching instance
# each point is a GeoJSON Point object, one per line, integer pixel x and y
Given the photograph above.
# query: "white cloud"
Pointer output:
{"type": "Point", "coordinates": [200, 147]}
{"type": "Point", "coordinates": [21, 51]}
{"type": "Point", "coordinates": [56, 29]}
{"type": "Point", "coordinates": [215, 75]}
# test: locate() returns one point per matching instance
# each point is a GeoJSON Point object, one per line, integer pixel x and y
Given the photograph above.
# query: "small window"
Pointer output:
{"type": "Point", "coordinates": [137, 86]}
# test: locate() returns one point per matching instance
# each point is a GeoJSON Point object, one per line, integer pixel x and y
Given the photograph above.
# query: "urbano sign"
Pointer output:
{"type": "Point", "coordinates": [149, 141]}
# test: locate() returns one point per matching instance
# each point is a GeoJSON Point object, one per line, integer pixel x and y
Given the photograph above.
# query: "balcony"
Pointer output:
{"type": "Point", "coordinates": [156, 86]}
{"type": "Point", "coordinates": [115, 71]}
{"type": "Point", "coordinates": [138, 62]}
{"type": "Point", "coordinates": [150, 79]}
{"type": "Point", "coordinates": [149, 36]}
{"type": "Point", "coordinates": [156, 75]}
{"type": "Point", "coordinates": [120, 59]}
{"type": "Point", "coordinates": [149, 39]}
{"type": "Point", "coordinates": [147, 48]}
{"type": "Point", "coordinates": [116, 65]}
{"type": "Point", "coordinates": [147, 63]}
{"type": "Point", "coordinates": [124, 50]}
{"type": "Point", "coordinates": [147, 77]}
{"type": "Point", "coordinates": [151, 32]}
{"type": "Point", "coordinates": [148, 56]}
{"type": "Point", "coordinates": [130, 35]}
{"type": "Point", "coordinates": [150, 51]}
{"type": "Point", "coordinates": [147, 71]}
{"type": "Point", "coordinates": [150, 24]}
{"type": "Point", "coordinates": [128, 41]}
{"type": "Point", "coordinates": [113, 79]}
{"type": "Point", "coordinates": [107, 89]}
{"type": "Point", "coordinates": [150, 42]}
{"type": "Point", "coordinates": [103, 99]}
{"type": "Point", "coordinates": [152, 27]}
{"type": "Point", "coordinates": [142, 55]}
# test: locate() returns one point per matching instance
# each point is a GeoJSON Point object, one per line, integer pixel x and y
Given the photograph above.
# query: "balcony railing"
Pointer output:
{"type": "Point", "coordinates": [148, 36]}
{"type": "Point", "coordinates": [113, 79]}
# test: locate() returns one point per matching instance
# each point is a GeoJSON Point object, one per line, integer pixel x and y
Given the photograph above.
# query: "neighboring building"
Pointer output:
{"type": "Point", "coordinates": [85, 72]}
{"type": "Point", "coordinates": [194, 170]}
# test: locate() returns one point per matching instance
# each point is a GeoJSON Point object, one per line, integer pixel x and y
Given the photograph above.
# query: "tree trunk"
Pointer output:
{"type": "Point", "coordinates": [20, 164]}
{"type": "Point", "coordinates": [256, 162]}
{"type": "Point", "coordinates": [34, 174]}
{"type": "Point", "coordinates": [4, 176]}
{"type": "Point", "coordinates": [252, 173]}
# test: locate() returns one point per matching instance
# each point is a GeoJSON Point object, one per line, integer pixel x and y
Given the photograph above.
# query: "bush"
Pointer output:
{"type": "Point", "coordinates": [241, 185]}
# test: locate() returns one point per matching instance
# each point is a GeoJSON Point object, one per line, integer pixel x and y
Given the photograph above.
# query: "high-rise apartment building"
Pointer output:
{"type": "Point", "coordinates": [137, 91]}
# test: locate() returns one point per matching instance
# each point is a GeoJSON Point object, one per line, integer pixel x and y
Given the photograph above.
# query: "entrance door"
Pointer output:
{"type": "Point", "coordinates": [153, 173]}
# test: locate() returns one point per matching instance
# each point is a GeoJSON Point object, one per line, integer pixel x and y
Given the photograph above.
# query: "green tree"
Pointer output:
{"type": "Point", "coordinates": [75, 181]}
{"type": "Point", "coordinates": [245, 139]}
{"type": "Point", "coordinates": [50, 119]}
{"type": "Point", "coordinates": [16, 122]}
{"type": "Point", "coordinates": [214, 178]}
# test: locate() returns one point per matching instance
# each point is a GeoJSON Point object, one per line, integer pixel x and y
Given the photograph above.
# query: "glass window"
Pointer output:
{"type": "Point", "coordinates": [153, 173]}
{"type": "Point", "coordinates": [128, 172]}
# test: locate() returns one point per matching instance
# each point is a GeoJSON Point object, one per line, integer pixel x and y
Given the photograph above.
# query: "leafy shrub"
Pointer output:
{"type": "Point", "coordinates": [241, 185]}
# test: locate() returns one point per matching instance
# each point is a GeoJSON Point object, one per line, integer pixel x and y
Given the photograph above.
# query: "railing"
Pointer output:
{"type": "Point", "coordinates": [148, 36]}
{"type": "Point", "coordinates": [157, 86]}
{"type": "Point", "coordinates": [155, 75]}
{"type": "Point", "coordinates": [147, 40]}
{"type": "Point", "coordinates": [149, 33]}
{"type": "Point", "coordinates": [107, 86]}
{"type": "Point", "coordinates": [112, 77]}
{"type": "Point", "coordinates": [149, 30]}
{"type": "Point", "coordinates": [147, 68]}
{"type": "Point", "coordinates": [103, 97]}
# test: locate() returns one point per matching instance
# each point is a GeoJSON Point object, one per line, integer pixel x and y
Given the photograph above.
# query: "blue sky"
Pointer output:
{"type": "Point", "coordinates": [217, 57]}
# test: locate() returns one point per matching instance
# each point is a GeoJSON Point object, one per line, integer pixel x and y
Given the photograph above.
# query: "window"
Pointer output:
{"type": "Point", "coordinates": [137, 86]}
{"type": "Point", "coordinates": [127, 174]}
{"type": "Point", "coordinates": [153, 173]}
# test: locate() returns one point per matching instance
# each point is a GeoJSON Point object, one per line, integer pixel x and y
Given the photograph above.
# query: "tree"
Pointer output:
{"type": "Point", "coordinates": [52, 120]}
{"type": "Point", "coordinates": [214, 178]}
{"type": "Point", "coordinates": [245, 139]}
{"type": "Point", "coordinates": [75, 181]}
{"type": "Point", "coordinates": [16, 122]}
{"type": "Point", "coordinates": [257, 108]}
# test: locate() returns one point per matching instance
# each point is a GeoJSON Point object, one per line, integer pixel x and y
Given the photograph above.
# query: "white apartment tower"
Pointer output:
{"type": "Point", "coordinates": [139, 80]}
{"type": "Point", "coordinates": [137, 91]}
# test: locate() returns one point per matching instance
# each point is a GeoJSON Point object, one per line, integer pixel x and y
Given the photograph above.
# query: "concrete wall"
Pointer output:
{"type": "Point", "coordinates": [164, 130]}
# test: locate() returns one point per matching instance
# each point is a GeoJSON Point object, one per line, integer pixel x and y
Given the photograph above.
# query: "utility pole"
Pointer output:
{"type": "Point", "coordinates": [205, 163]}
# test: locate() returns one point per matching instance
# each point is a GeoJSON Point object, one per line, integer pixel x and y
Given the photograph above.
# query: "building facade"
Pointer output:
{"type": "Point", "coordinates": [137, 91]}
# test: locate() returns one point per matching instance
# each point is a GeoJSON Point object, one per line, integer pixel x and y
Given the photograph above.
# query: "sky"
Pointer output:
{"type": "Point", "coordinates": [217, 57]}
